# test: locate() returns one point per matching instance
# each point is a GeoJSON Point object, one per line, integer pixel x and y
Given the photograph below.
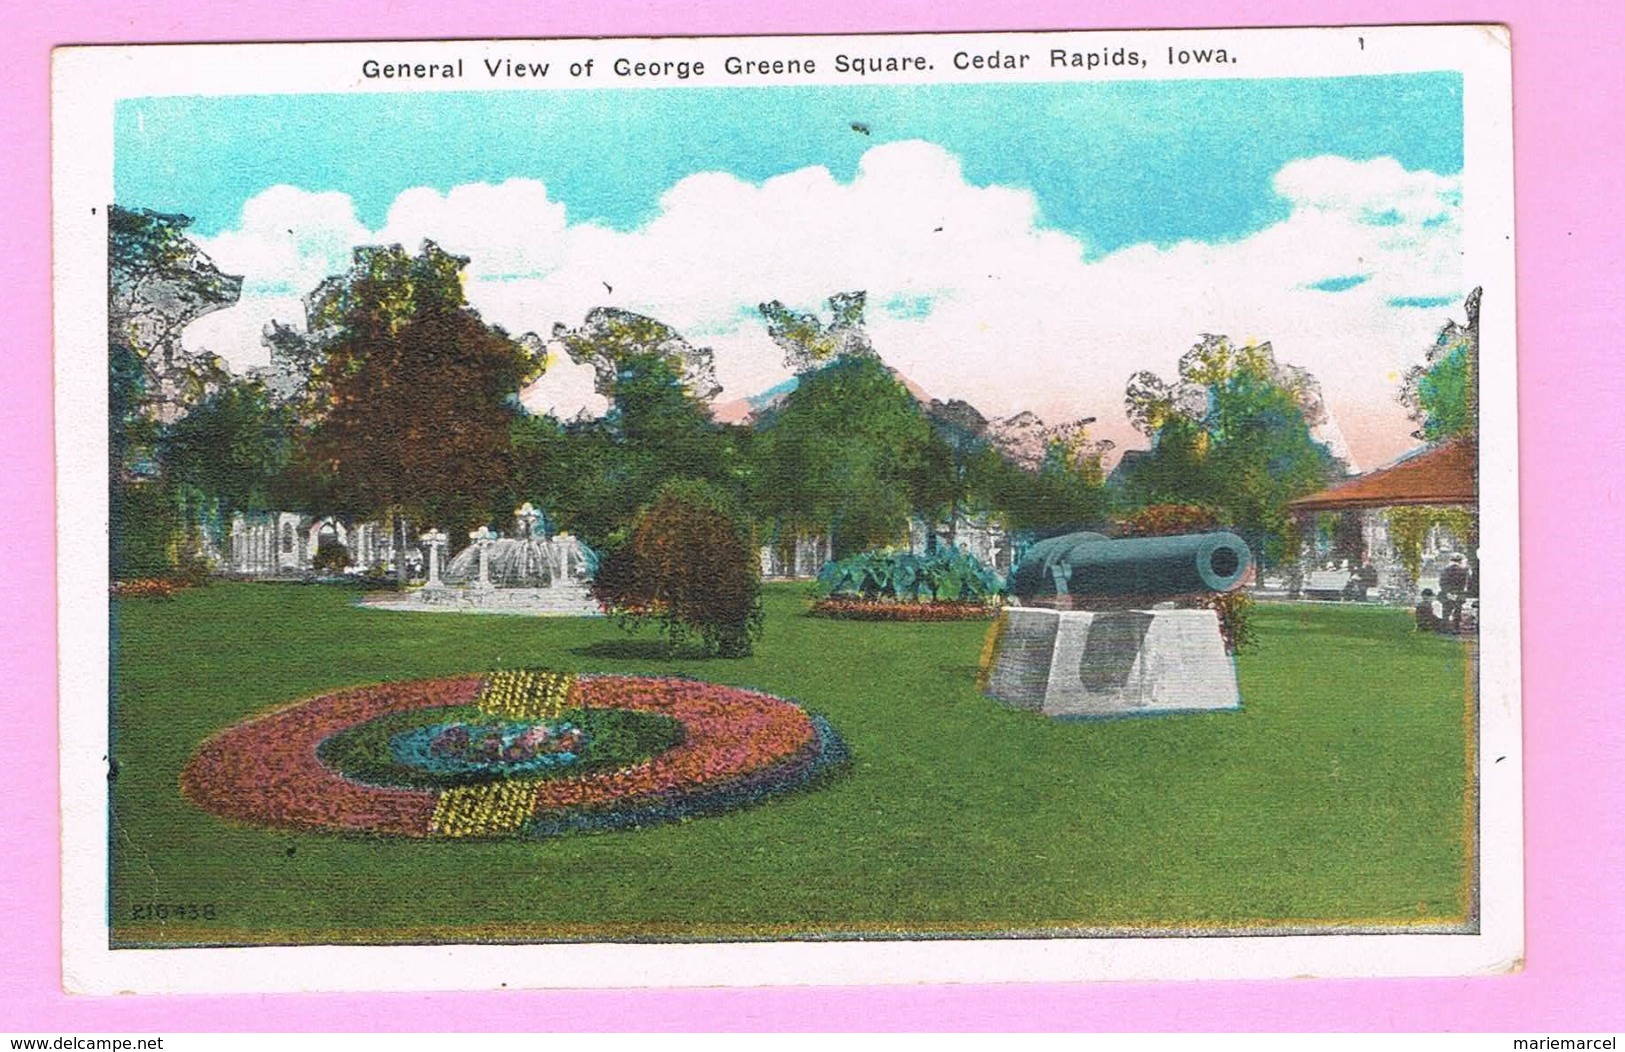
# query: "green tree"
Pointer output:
{"type": "Point", "coordinates": [808, 342]}
{"type": "Point", "coordinates": [1236, 433]}
{"type": "Point", "coordinates": [231, 447]}
{"type": "Point", "coordinates": [947, 483]}
{"type": "Point", "coordinates": [658, 427]}
{"type": "Point", "coordinates": [1442, 395]}
{"type": "Point", "coordinates": [1040, 478]}
{"type": "Point", "coordinates": [848, 451]}
{"type": "Point", "coordinates": [159, 282]}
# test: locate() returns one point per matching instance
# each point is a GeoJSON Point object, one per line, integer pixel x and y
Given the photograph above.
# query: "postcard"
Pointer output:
{"type": "Point", "coordinates": [756, 511]}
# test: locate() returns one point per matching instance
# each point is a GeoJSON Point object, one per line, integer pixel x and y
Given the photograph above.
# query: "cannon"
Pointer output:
{"type": "Point", "coordinates": [1087, 570]}
{"type": "Point", "coordinates": [1117, 627]}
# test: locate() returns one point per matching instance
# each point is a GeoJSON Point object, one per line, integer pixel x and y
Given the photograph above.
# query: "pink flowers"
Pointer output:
{"type": "Point", "coordinates": [264, 771]}
{"type": "Point", "coordinates": [737, 744]}
{"type": "Point", "coordinates": [731, 733]}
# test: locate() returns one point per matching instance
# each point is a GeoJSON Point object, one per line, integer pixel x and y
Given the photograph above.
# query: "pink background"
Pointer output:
{"type": "Point", "coordinates": [1568, 71]}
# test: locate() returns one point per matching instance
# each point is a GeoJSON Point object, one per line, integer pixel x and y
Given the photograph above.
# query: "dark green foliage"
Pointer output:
{"type": "Point", "coordinates": [594, 475]}
{"type": "Point", "coordinates": [141, 519]}
{"type": "Point", "coordinates": [1444, 392]}
{"type": "Point", "coordinates": [158, 283]}
{"type": "Point", "coordinates": [331, 557]}
{"type": "Point", "coordinates": [690, 565]}
{"type": "Point", "coordinates": [231, 447]}
{"type": "Point", "coordinates": [946, 575]}
{"type": "Point", "coordinates": [618, 738]}
{"type": "Point", "coordinates": [849, 452]}
{"type": "Point", "coordinates": [148, 531]}
{"type": "Point", "coordinates": [1058, 495]}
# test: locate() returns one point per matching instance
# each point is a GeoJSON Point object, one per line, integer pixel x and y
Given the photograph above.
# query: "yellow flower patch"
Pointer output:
{"type": "Point", "coordinates": [496, 809]}
{"type": "Point", "coordinates": [523, 694]}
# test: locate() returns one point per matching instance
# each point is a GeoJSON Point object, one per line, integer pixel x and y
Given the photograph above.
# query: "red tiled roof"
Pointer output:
{"type": "Point", "coordinates": [1444, 474]}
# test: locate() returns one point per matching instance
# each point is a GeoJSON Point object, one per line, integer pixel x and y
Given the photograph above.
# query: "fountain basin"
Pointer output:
{"type": "Point", "coordinates": [558, 600]}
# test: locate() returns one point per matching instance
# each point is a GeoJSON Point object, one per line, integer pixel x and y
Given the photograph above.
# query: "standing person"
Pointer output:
{"type": "Point", "coordinates": [1453, 591]}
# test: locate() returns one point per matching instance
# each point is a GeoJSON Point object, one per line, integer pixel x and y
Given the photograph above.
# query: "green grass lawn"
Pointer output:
{"type": "Point", "coordinates": [1337, 795]}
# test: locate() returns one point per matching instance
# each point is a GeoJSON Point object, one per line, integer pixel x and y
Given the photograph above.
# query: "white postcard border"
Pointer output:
{"type": "Point", "coordinates": [86, 84]}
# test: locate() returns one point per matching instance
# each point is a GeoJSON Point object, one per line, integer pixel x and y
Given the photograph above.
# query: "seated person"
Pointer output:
{"type": "Point", "coordinates": [1361, 581]}
{"type": "Point", "coordinates": [1427, 613]}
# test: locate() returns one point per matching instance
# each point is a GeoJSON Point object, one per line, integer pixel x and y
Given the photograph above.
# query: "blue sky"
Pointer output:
{"type": "Point", "coordinates": [1024, 246]}
{"type": "Point", "coordinates": [1113, 164]}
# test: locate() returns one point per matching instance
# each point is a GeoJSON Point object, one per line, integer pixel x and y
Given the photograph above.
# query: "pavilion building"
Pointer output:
{"type": "Point", "coordinates": [1443, 477]}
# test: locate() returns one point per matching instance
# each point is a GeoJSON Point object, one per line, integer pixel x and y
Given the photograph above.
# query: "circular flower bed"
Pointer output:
{"type": "Point", "coordinates": [515, 754]}
{"type": "Point", "coordinates": [846, 608]}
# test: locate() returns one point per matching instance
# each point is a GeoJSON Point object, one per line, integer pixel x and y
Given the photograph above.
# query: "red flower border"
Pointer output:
{"type": "Point", "coordinates": [265, 770]}
{"type": "Point", "coordinates": [848, 609]}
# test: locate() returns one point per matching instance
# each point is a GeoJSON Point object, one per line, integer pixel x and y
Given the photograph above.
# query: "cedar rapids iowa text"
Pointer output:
{"type": "Point", "coordinates": [737, 66]}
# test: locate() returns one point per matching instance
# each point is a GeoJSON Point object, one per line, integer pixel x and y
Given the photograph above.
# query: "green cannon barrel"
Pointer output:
{"type": "Point", "coordinates": [1082, 565]}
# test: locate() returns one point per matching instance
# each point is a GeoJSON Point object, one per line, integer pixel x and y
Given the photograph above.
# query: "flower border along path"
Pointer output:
{"type": "Point", "coordinates": [738, 747]}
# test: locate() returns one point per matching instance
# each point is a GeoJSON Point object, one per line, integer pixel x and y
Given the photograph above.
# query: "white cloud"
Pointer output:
{"type": "Point", "coordinates": [508, 230]}
{"type": "Point", "coordinates": [289, 240]}
{"type": "Point", "coordinates": [968, 294]}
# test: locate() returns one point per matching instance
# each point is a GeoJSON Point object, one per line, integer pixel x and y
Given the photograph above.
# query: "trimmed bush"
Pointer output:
{"type": "Point", "coordinates": [689, 564]}
{"type": "Point", "coordinates": [331, 557]}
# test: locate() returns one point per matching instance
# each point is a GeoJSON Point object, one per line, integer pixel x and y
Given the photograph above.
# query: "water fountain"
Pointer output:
{"type": "Point", "coordinates": [533, 572]}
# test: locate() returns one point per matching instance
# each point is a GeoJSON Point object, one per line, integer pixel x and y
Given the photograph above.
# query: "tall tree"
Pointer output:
{"type": "Point", "coordinates": [658, 427]}
{"type": "Point", "coordinates": [848, 451]}
{"type": "Point", "coordinates": [159, 282]}
{"type": "Point", "coordinates": [808, 342]}
{"type": "Point", "coordinates": [1442, 395]}
{"type": "Point", "coordinates": [1236, 432]}
{"type": "Point", "coordinates": [947, 481]}
{"type": "Point", "coordinates": [617, 343]}
{"type": "Point", "coordinates": [412, 396]}
{"type": "Point", "coordinates": [232, 447]}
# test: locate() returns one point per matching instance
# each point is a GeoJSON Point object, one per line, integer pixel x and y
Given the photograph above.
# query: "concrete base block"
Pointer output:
{"type": "Point", "coordinates": [1111, 663]}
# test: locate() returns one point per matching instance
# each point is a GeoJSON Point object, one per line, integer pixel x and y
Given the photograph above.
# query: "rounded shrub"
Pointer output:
{"type": "Point", "coordinates": [330, 558]}
{"type": "Point", "coordinates": [689, 564]}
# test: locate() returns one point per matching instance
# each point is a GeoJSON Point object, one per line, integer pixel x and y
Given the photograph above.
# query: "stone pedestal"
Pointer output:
{"type": "Point", "coordinates": [1110, 663]}
{"type": "Point", "coordinates": [434, 541]}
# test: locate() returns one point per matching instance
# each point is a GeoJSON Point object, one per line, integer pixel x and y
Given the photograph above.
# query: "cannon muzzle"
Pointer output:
{"type": "Point", "coordinates": [1080, 568]}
